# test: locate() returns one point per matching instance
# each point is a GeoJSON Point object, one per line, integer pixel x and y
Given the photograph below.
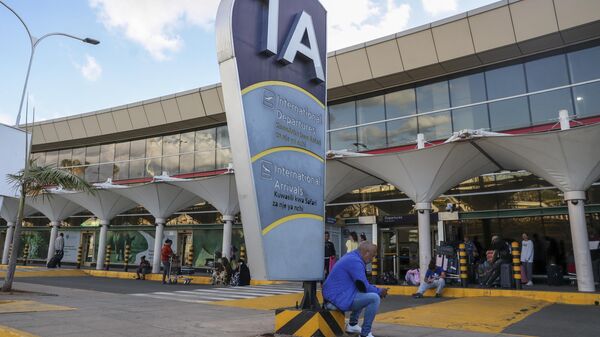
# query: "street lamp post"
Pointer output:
{"type": "Point", "coordinates": [17, 230]}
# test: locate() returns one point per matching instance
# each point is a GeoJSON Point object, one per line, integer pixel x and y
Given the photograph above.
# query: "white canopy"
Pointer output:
{"type": "Point", "coordinates": [104, 204]}
{"type": "Point", "coordinates": [159, 198]}
{"type": "Point", "coordinates": [342, 178]}
{"type": "Point", "coordinates": [9, 207]}
{"type": "Point", "coordinates": [54, 207]}
{"type": "Point", "coordinates": [426, 173]}
{"type": "Point", "coordinates": [569, 159]}
{"type": "Point", "coordinates": [220, 191]}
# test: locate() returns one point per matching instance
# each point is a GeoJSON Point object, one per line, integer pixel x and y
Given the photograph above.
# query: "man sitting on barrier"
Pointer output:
{"type": "Point", "coordinates": [434, 278]}
{"type": "Point", "coordinates": [143, 269]}
{"type": "Point", "coordinates": [347, 289]}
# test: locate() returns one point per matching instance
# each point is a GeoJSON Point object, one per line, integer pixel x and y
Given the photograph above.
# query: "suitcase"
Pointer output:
{"type": "Point", "coordinates": [506, 276]}
{"type": "Point", "coordinates": [53, 261]}
{"type": "Point", "coordinates": [555, 275]}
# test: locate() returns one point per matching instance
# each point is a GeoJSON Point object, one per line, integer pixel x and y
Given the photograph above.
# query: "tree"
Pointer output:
{"type": "Point", "coordinates": [34, 181]}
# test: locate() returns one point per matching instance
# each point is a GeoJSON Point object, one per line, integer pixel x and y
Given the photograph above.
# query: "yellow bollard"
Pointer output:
{"type": "Point", "coordinates": [25, 253]}
{"type": "Point", "coordinates": [375, 269]}
{"type": "Point", "coordinates": [243, 253]}
{"type": "Point", "coordinates": [127, 255]}
{"type": "Point", "coordinates": [516, 254]}
{"type": "Point", "coordinates": [107, 258]}
{"type": "Point", "coordinates": [190, 257]}
{"type": "Point", "coordinates": [79, 256]}
{"type": "Point", "coordinates": [464, 266]}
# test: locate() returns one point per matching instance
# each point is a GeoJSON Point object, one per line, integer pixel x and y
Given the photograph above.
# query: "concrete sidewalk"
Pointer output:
{"type": "Point", "coordinates": [107, 314]}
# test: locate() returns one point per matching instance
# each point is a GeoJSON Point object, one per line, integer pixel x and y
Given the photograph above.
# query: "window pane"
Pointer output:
{"type": "Point", "coordinates": [64, 158]}
{"type": "Point", "coordinates": [433, 97]}
{"type": "Point", "coordinates": [509, 114]}
{"type": "Point", "coordinates": [402, 131]}
{"type": "Point", "coordinates": [121, 159]}
{"type": "Point", "coordinates": [171, 154]}
{"type": "Point", "coordinates": [343, 140]}
{"type": "Point", "coordinates": [371, 110]}
{"type": "Point", "coordinates": [107, 154]}
{"type": "Point", "coordinates": [205, 150]}
{"type": "Point", "coordinates": [78, 159]}
{"type": "Point", "coordinates": [467, 90]}
{"type": "Point", "coordinates": [186, 160]}
{"type": "Point", "coordinates": [51, 158]}
{"type": "Point", "coordinates": [545, 107]}
{"type": "Point", "coordinates": [505, 82]}
{"type": "Point", "coordinates": [138, 151]}
{"type": "Point", "coordinates": [546, 73]}
{"type": "Point", "coordinates": [584, 64]}
{"type": "Point", "coordinates": [154, 151]}
{"type": "Point", "coordinates": [475, 117]}
{"type": "Point", "coordinates": [587, 99]}
{"type": "Point", "coordinates": [92, 157]}
{"type": "Point", "coordinates": [341, 115]}
{"type": "Point", "coordinates": [223, 147]}
{"type": "Point", "coordinates": [435, 126]}
{"type": "Point", "coordinates": [400, 103]}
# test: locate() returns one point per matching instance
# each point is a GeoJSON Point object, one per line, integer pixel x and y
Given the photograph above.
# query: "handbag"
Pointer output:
{"type": "Point", "coordinates": [524, 278]}
{"type": "Point", "coordinates": [332, 262]}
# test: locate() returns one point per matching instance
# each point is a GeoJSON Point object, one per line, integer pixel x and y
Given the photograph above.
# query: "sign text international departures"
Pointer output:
{"type": "Point", "coordinates": [272, 57]}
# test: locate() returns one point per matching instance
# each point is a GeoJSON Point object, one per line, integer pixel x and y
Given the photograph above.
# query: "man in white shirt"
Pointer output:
{"type": "Point", "coordinates": [59, 247]}
{"type": "Point", "coordinates": [527, 258]}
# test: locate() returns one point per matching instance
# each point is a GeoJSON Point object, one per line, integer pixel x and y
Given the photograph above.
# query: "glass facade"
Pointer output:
{"type": "Point", "coordinates": [519, 95]}
{"type": "Point", "coordinates": [197, 151]}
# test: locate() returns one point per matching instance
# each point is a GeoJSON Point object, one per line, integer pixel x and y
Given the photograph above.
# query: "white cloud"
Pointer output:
{"type": "Point", "coordinates": [91, 70]}
{"type": "Point", "coordinates": [436, 7]}
{"type": "Point", "coordinates": [154, 23]}
{"type": "Point", "coordinates": [355, 21]}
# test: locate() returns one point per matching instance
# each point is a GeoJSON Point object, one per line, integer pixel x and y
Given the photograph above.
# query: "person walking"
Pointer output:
{"type": "Point", "coordinates": [59, 248]}
{"type": "Point", "coordinates": [347, 289]}
{"type": "Point", "coordinates": [352, 242]}
{"type": "Point", "coordinates": [527, 250]}
{"type": "Point", "coordinates": [165, 257]}
{"type": "Point", "coordinates": [329, 255]}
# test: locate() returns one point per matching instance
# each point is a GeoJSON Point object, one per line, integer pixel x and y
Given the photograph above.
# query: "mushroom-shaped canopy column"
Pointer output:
{"type": "Point", "coordinates": [9, 209]}
{"type": "Point", "coordinates": [342, 179]}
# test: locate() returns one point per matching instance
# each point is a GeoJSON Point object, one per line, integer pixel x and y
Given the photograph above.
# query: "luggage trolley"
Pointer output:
{"type": "Point", "coordinates": [176, 273]}
{"type": "Point", "coordinates": [447, 258]}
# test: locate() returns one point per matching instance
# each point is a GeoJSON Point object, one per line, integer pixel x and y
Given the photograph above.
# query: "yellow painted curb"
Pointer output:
{"type": "Point", "coordinates": [13, 307]}
{"type": "Point", "coordinates": [47, 273]}
{"type": "Point", "coordinates": [10, 332]}
{"type": "Point", "coordinates": [548, 296]}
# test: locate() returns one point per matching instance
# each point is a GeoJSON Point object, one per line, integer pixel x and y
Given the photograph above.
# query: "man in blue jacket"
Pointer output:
{"type": "Point", "coordinates": [348, 289]}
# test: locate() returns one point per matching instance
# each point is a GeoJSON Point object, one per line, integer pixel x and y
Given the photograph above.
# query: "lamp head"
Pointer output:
{"type": "Point", "coordinates": [91, 41]}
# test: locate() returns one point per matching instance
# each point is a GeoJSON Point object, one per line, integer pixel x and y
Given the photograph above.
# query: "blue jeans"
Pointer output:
{"type": "Point", "coordinates": [438, 284]}
{"type": "Point", "coordinates": [370, 301]}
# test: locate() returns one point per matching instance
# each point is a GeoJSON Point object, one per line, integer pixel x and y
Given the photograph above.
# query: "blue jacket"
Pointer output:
{"type": "Point", "coordinates": [340, 287]}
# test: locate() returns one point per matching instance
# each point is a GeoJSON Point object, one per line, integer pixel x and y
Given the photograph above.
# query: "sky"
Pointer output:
{"type": "Point", "coordinates": [152, 48]}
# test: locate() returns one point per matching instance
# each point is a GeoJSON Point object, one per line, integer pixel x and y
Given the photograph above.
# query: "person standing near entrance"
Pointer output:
{"type": "Point", "coordinates": [329, 255]}
{"type": "Point", "coordinates": [527, 258]}
{"type": "Point", "coordinates": [352, 242]}
{"type": "Point", "coordinates": [59, 248]}
{"type": "Point", "coordinates": [165, 257]}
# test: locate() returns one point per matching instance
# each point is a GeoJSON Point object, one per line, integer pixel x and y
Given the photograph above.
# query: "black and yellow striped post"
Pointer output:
{"type": "Point", "coordinates": [190, 257]}
{"type": "Point", "coordinates": [79, 256]}
{"type": "Point", "coordinates": [127, 255]}
{"type": "Point", "coordinates": [374, 270]}
{"type": "Point", "coordinates": [516, 260]}
{"type": "Point", "coordinates": [243, 253]}
{"type": "Point", "coordinates": [464, 266]}
{"type": "Point", "coordinates": [107, 258]}
{"type": "Point", "coordinates": [25, 254]}
{"type": "Point", "coordinates": [309, 323]}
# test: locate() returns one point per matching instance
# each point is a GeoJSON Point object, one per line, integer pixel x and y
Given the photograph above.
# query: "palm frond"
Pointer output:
{"type": "Point", "coordinates": [36, 179]}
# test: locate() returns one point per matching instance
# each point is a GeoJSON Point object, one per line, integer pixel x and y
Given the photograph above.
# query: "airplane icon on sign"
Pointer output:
{"type": "Point", "coordinates": [269, 98]}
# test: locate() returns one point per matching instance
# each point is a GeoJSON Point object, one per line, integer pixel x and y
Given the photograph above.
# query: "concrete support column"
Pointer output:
{"type": "Point", "coordinates": [53, 235]}
{"type": "Point", "coordinates": [441, 232]}
{"type": "Point", "coordinates": [581, 244]}
{"type": "Point", "coordinates": [102, 244]}
{"type": "Point", "coordinates": [424, 218]}
{"type": "Point", "coordinates": [158, 238]}
{"type": "Point", "coordinates": [227, 229]}
{"type": "Point", "coordinates": [7, 241]}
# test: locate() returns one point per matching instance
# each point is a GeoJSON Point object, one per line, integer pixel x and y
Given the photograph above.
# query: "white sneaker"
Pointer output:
{"type": "Point", "coordinates": [353, 328]}
{"type": "Point", "coordinates": [529, 284]}
{"type": "Point", "coordinates": [370, 335]}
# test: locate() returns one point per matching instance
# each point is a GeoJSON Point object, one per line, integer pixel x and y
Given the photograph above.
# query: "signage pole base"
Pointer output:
{"type": "Point", "coordinates": [310, 300]}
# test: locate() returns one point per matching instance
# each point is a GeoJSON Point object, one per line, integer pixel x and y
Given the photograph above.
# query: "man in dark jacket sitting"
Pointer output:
{"type": "Point", "coordinates": [348, 289]}
{"type": "Point", "coordinates": [501, 256]}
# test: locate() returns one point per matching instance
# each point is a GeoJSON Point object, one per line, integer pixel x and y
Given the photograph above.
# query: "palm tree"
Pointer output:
{"type": "Point", "coordinates": [33, 181]}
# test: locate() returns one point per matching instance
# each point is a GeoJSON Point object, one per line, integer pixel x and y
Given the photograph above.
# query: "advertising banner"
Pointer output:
{"type": "Point", "coordinates": [272, 57]}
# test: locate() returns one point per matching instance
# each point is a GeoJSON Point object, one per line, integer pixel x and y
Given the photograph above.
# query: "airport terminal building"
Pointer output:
{"type": "Point", "coordinates": [509, 67]}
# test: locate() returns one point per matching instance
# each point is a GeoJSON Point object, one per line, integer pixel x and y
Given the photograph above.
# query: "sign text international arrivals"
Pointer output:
{"type": "Point", "coordinates": [272, 56]}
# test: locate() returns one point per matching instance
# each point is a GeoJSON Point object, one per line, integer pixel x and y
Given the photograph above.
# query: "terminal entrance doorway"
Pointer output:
{"type": "Point", "coordinates": [184, 246]}
{"type": "Point", "coordinates": [399, 250]}
{"type": "Point", "coordinates": [88, 248]}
